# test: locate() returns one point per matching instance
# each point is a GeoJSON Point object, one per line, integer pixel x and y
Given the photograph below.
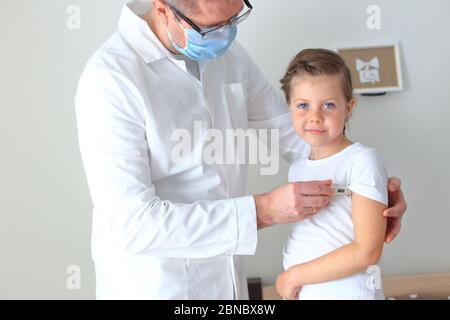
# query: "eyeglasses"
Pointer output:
{"type": "Point", "coordinates": [235, 20]}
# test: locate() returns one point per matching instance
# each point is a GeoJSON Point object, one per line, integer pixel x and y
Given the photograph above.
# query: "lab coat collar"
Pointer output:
{"type": "Point", "coordinates": [136, 32]}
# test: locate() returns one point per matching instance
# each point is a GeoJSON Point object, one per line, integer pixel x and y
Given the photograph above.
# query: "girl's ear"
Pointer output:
{"type": "Point", "coordinates": [350, 105]}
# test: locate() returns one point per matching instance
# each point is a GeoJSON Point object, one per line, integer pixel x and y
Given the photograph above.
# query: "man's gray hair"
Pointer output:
{"type": "Point", "coordinates": [185, 6]}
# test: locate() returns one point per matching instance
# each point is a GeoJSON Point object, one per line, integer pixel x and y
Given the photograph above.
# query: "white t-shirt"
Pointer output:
{"type": "Point", "coordinates": [359, 168]}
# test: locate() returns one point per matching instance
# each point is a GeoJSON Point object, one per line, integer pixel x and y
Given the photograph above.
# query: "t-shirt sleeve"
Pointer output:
{"type": "Point", "coordinates": [368, 176]}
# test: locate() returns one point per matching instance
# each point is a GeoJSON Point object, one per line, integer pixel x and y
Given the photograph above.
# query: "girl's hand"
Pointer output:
{"type": "Point", "coordinates": [286, 287]}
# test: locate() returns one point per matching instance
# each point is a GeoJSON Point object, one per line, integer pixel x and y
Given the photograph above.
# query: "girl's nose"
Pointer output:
{"type": "Point", "coordinates": [315, 115]}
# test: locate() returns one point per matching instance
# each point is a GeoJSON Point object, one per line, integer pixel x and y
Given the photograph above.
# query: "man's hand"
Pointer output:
{"type": "Point", "coordinates": [397, 207]}
{"type": "Point", "coordinates": [286, 286]}
{"type": "Point", "coordinates": [292, 202]}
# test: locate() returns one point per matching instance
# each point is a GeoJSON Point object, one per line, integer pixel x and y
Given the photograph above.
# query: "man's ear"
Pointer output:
{"type": "Point", "coordinates": [161, 11]}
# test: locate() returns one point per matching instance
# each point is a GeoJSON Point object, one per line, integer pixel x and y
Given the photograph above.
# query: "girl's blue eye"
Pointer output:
{"type": "Point", "coordinates": [303, 106]}
{"type": "Point", "coordinates": [329, 106]}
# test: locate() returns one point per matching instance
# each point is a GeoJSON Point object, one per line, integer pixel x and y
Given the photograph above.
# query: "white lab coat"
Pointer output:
{"type": "Point", "coordinates": [163, 230]}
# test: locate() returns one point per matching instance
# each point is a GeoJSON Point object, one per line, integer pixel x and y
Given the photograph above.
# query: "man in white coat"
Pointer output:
{"type": "Point", "coordinates": [165, 229]}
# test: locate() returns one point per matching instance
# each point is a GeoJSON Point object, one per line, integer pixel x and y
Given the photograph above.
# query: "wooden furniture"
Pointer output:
{"type": "Point", "coordinates": [255, 291]}
{"type": "Point", "coordinates": [421, 287]}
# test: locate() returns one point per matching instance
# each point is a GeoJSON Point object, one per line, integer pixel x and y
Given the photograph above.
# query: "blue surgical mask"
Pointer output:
{"type": "Point", "coordinates": [211, 46]}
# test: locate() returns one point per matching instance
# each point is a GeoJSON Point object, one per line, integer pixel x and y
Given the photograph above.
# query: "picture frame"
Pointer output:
{"type": "Point", "coordinates": [375, 69]}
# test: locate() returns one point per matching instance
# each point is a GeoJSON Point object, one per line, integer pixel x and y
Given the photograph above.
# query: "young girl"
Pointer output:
{"type": "Point", "coordinates": [327, 256]}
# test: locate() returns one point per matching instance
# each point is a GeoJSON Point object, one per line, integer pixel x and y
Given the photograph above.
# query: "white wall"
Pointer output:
{"type": "Point", "coordinates": [45, 207]}
{"type": "Point", "coordinates": [44, 202]}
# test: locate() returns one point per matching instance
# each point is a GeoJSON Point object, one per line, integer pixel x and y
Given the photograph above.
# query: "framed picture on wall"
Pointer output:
{"type": "Point", "coordinates": [375, 69]}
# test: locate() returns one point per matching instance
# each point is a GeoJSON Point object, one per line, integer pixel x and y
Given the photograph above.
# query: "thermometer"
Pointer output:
{"type": "Point", "coordinates": [342, 191]}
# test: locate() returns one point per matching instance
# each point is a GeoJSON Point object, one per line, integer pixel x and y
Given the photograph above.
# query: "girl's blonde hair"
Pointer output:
{"type": "Point", "coordinates": [317, 62]}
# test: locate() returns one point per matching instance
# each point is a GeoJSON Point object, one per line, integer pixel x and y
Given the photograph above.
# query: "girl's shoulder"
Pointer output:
{"type": "Point", "coordinates": [361, 153]}
{"type": "Point", "coordinates": [354, 158]}
{"type": "Point", "coordinates": [367, 174]}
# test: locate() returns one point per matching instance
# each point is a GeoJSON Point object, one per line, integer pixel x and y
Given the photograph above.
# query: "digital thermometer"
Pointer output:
{"type": "Point", "coordinates": [342, 191]}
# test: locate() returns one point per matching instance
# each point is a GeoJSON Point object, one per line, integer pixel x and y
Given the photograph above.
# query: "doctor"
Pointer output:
{"type": "Point", "coordinates": [176, 230]}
